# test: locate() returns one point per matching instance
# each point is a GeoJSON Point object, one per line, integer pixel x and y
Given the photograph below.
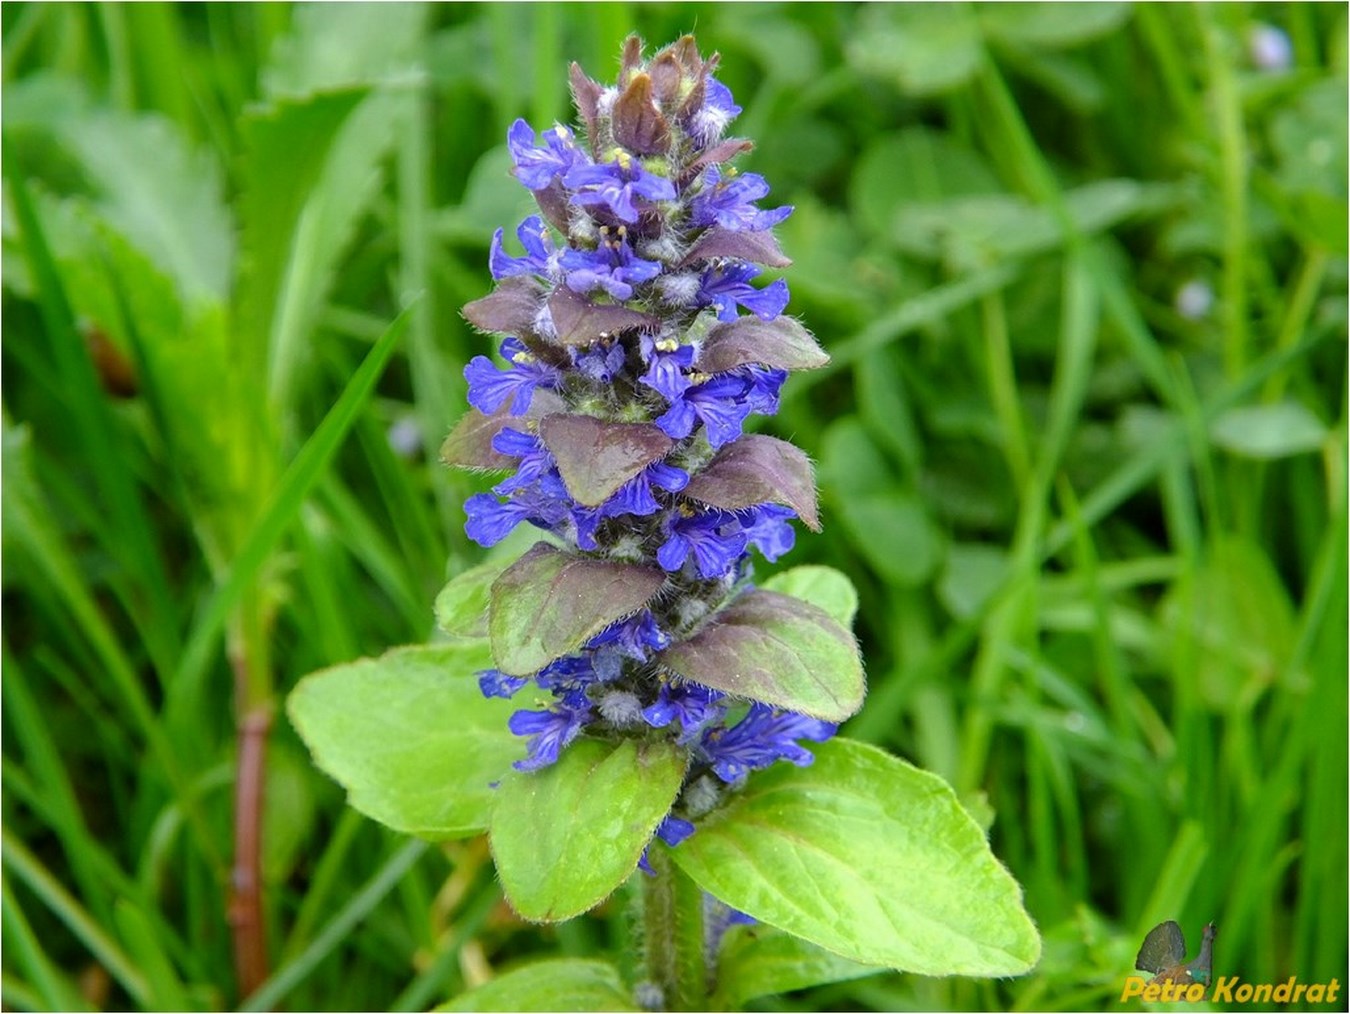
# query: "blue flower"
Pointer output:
{"type": "Point", "coordinates": [489, 387]}
{"type": "Point", "coordinates": [568, 675]}
{"type": "Point", "coordinates": [730, 202]}
{"type": "Point", "coordinates": [549, 731]}
{"type": "Point", "coordinates": [718, 110]}
{"type": "Point", "coordinates": [536, 167]}
{"type": "Point", "coordinates": [696, 707]}
{"type": "Point", "coordinates": [714, 538]}
{"type": "Point", "coordinates": [602, 361]}
{"type": "Point", "coordinates": [635, 496]}
{"type": "Point", "coordinates": [720, 403]}
{"type": "Point", "coordinates": [633, 638]}
{"type": "Point", "coordinates": [666, 366]}
{"type": "Point", "coordinates": [541, 257]}
{"type": "Point", "coordinates": [727, 285]}
{"type": "Point", "coordinates": [614, 185]}
{"type": "Point", "coordinates": [495, 683]}
{"type": "Point", "coordinates": [536, 462]}
{"type": "Point", "coordinates": [763, 736]}
{"type": "Point", "coordinates": [672, 830]}
{"type": "Point", "coordinates": [768, 530]}
{"type": "Point", "coordinates": [611, 266]}
{"type": "Point", "coordinates": [765, 384]}
{"type": "Point", "coordinates": [490, 520]}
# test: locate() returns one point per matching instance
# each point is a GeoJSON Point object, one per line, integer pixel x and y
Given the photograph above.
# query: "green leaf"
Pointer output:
{"type": "Point", "coordinates": [169, 206]}
{"type": "Point", "coordinates": [870, 858]}
{"type": "Point", "coordinates": [924, 48]}
{"type": "Point", "coordinates": [973, 572]}
{"type": "Point", "coordinates": [549, 603]}
{"type": "Point", "coordinates": [763, 961]}
{"type": "Point", "coordinates": [462, 605]}
{"type": "Point", "coordinates": [777, 649]}
{"type": "Point", "coordinates": [1052, 25]}
{"type": "Point", "coordinates": [1234, 616]}
{"type": "Point", "coordinates": [288, 143]}
{"type": "Point", "coordinates": [822, 586]}
{"type": "Point", "coordinates": [912, 548]}
{"type": "Point", "coordinates": [1266, 432]}
{"type": "Point", "coordinates": [410, 736]}
{"type": "Point", "coordinates": [563, 984]}
{"type": "Point", "coordinates": [333, 45]}
{"type": "Point", "coordinates": [913, 166]}
{"type": "Point", "coordinates": [975, 231]}
{"type": "Point", "coordinates": [566, 836]}
{"type": "Point", "coordinates": [491, 196]}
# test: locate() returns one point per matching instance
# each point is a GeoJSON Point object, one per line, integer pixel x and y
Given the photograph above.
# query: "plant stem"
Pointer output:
{"type": "Point", "coordinates": [254, 707]}
{"type": "Point", "coordinates": [672, 929]}
{"type": "Point", "coordinates": [245, 910]}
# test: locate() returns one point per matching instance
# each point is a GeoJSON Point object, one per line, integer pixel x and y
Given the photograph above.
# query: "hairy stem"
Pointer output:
{"type": "Point", "coordinates": [673, 944]}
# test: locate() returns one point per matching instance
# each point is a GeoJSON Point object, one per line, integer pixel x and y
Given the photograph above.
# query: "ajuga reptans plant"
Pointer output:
{"type": "Point", "coordinates": [638, 676]}
{"type": "Point", "coordinates": [636, 347]}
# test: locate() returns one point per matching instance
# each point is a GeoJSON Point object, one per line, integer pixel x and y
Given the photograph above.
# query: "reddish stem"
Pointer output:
{"type": "Point", "coordinates": [245, 908]}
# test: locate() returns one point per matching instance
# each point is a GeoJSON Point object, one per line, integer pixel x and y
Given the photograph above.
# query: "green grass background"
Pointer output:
{"type": "Point", "coordinates": [1100, 536]}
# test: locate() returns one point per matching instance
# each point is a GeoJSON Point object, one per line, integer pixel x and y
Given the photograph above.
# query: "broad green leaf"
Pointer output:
{"type": "Point", "coordinates": [549, 603]}
{"type": "Point", "coordinates": [893, 532]}
{"type": "Point", "coordinates": [973, 571]}
{"type": "Point", "coordinates": [1236, 614]}
{"type": "Point", "coordinates": [169, 206]}
{"type": "Point", "coordinates": [913, 166]}
{"type": "Point", "coordinates": [776, 649]}
{"type": "Point", "coordinates": [566, 836]}
{"type": "Point", "coordinates": [924, 48]}
{"type": "Point", "coordinates": [1052, 25]}
{"type": "Point", "coordinates": [822, 586]}
{"type": "Point", "coordinates": [763, 961]}
{"type": "Point", "coordinates": [493, 199]}
{"type": "Point", "coordinates": [462, 605]}
{"type": "Point", "coordinates": [850, 462]}
{"type": "Point", "coordinates": [337, 44]}
{"type": "Point", "coordinates": [1266, 432]}
{"type": "Point", "coordinates": [870, 858]}
{"type": "Point", "coordinates": [976, 231]}
{"type": "Point", "coordinates": [288, 809]}
{"type": "Point", "coordinates": [562, 984]}
{"type": "Point", "coordinates": [410, 737]}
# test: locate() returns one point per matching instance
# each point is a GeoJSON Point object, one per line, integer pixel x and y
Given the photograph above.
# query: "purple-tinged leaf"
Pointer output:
{"type": "Point", "coordinates": [586, 94]}
{"type": "Point", "coordinates": [638, 125]}
{"type": "Point", "coordinates": [469, 444]}
{"type": "Point", "coordinates": [549, 603]}
{"type": "Point", "coordinates": [758, 247]}
{"type": "Point", "coordinates": [631, 60]}
{"type": "Point", "coordinates": [666, 77]}
{"type": "Point", "coordinates": [552, 201]}
{"type": "Point", "coordinates": [781, 344]}
{"type": "Point", "coordinates": [722, 151]}
{"type": "Point", "coordinates": [580, 322]}
{"type": "Point", "coordinates": [758, 469]}
{"type": "Point", "coordinates": [508, 309]}
{"type": "Point", "coordinates": [597, 457]}
{"type": "Point", "coordinates": [776, 649]}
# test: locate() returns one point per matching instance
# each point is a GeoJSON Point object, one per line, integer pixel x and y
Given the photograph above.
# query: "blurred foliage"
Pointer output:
{"type": "Point", "coordinates": [1082, 447]}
